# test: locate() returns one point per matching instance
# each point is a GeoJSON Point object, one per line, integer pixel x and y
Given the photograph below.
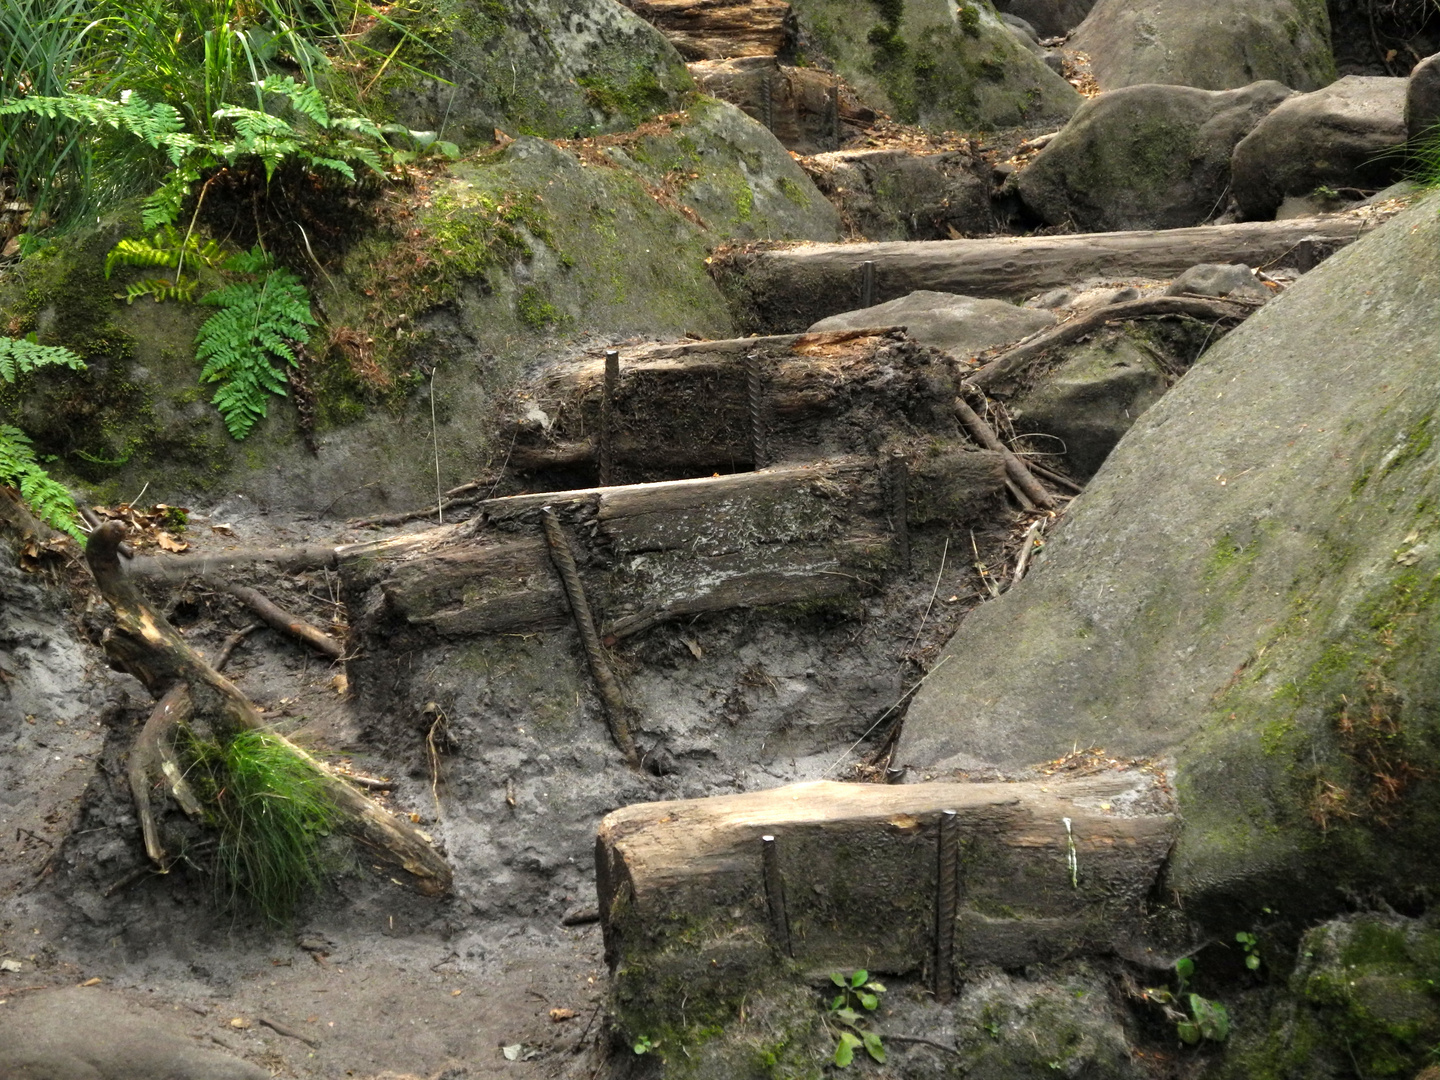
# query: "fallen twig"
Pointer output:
{"type": "Point", "coordinates": [985, 435]}
{"type": "Point", "coordinates": [1026, 547]}
{"type": "Point", "coordinates": [232, 643]}
{"type": "Point", "coordinates": [1055, 478]}
{"type": "Point", "coordinates": [282, 620]}
{"type": "Point", "coordinates": [288, 1032]}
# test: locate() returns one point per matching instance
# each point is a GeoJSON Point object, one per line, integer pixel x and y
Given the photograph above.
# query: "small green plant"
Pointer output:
{"type": "Point", "coordinates": [1251, 944]}
{"type": "Point", "coordinates": [645, 1045]}
{"type": "Point", "coordinates": [1204, 1020]}
{"type": "Point", "coordinates": [261, 320]}
{"type": "Point", "coordinates": [19, 465]}
{"type": "Point", "coordinates": [848, 1016]}
{"type": "Point", "coordinates": [272, 815]}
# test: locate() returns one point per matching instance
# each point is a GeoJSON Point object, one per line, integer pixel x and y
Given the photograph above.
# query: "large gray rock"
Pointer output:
{"type": "Point", "coordinates": [936, 64]}
{"type": "Point", "coordinates": [962, 325]}
{"type": "Point", "coordinates": [1250, 584]}
{"type": "Point", "coordinates": [1145, 157]}
{"type": "Point", "coordinates": [1422, 98]}
{"type": "Point", "coordinates": [1091, 399]}
{"type": "Point", "coordinates": [1050, 18]}
{"type": "Point", "coordinates": [91, 1034]}
{"type": "Point", "coordinates": [552, 68]}
{"type": "Point", "coordinates": [1336, 137]}
{"type": "Point", "coordinates": [734, 174]}
{"type": "Point", "coordinates": [1219, 279]}
{"type": "Point", "coordinates": [898, 195]}
{"type": "Point", "coordinates": [1219, 45]}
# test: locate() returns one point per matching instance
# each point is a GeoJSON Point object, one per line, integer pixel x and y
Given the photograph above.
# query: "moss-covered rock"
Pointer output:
{"type": "Point", "coordinates": [936, 64]}
{"type": "Point", "coordinates": [503, 255]}
{"type": "Point", "coordinates": [553, 68]}
{"type": "Point", "coordinates": [1252, 584]}
{"type": "Point", "coordinates": [1362, 1000]}
{"type": "Point", "coordinates": [1145, 157]}
{"type": "Point", "coordinates": [1215, 46]}
{"type": "Point", "coordinates": [733, 174]}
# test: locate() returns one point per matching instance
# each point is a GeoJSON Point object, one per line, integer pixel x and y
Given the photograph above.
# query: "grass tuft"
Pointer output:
{"type": "Point", "coordinates": [273, 815]}
{"type": "Point", "coordinates": [1425, 158]}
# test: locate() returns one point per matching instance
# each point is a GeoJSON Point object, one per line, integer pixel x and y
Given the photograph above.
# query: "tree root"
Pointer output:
{"type": "Point", "coordinates": [189, 690]}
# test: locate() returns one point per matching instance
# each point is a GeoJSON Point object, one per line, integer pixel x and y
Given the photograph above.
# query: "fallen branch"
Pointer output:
{"type": "Point", "coordinates": [143, 644]}
{"type": "Point", "coordinates": [986, 437]}
{"type": "Point", "coordinates": [1027, 546]}
{"type": "Point", "coordinates": [1015, 359]}
{"type": "Point", "coordinates": [232, 643]}
{"type": "Point", "coordinates": [280, 619]}
{"type": "Point", "coordinates": [1055, 478]}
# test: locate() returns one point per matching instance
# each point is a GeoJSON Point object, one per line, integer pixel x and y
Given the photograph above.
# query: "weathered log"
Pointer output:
{"type": "Point", "coordinates": [1008, 363]}
{"type": "Point", "coordinates": [789, 288]}
{"type": "Point", "coordinates": [143, 644]}
{"type": "Point", "coordinates": [292, 560]}
{"type": "Point", "coordinates": [711, 29]}
{"type": "Point", "coordinates": [682, 410]}
{"type": "Point", "coordinates": [1046, 867]}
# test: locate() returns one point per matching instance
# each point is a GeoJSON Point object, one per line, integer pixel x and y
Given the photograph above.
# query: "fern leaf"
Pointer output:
{"type": "Point", "coordinates": [20, 356]}
{"type": "Point", "coordinates": [306, 100]}
{"type": "Point", "coordinates": [48, 500]}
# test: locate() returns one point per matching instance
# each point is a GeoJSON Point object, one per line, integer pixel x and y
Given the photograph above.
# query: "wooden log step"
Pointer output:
{"type": "Point", "coordinates": [788, 289]}
{"type": "Point", "coordinates": [1044, 867]}
{"type": "Point", "coordinates": [710, 29]}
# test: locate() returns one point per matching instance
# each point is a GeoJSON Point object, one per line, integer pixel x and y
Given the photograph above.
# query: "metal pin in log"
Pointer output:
{"type": "Point", "coordinates": [607, 416]}
{"type": "Point", "coordinates": [775, 894]}
{"type": "Point", "coordinates": [755, 396]}
{"type": "Point", "coordinates": [947, 888]}
{"type": "Point", "coordinates": [867, 283]}
{"type": "Point", "coordinates": [899, 483]}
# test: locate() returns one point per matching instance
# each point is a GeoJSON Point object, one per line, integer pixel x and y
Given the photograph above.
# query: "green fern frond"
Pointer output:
{"type": "Point", "coordinates": [306, 100]}
{"type": "Point", "coordinates": [19, 356]}
{"type": "Point", "coordinates": [162, 206]}
{"type": "Point", "coordinates": [247, 344]}
{"type": "Point", "coordinates": [48, 500]}
{"type": "Point", "coordinates": [163, 249]}
{"type": "Point", "coordinates": [161, 289]}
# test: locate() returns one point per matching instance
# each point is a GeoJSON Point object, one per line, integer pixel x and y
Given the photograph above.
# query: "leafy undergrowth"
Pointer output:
{"type": "Point", "coordinates": [19, 464]}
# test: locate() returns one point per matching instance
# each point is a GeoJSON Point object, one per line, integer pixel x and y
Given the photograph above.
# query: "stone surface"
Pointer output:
{"type": "Point", "coordinates": [1422, 98]}
{"type": "Point", "coordinates": [1090, 400]}
{"type": "Point", "coordinates": [718, 29]}
{"type": "Point", "coordinates": [1337, 137]}
{"type": "Point", "coordinates": [553, 68]}
{"type": "Point", "coordinates": [1219, 45]}
{"type": "Point", "coordinates": [930, 63]}
{"type": "Point", "coordinates": [961, 325]}
{"type": "Point", "coordinates": [92, 1034]}
{"type": "Point", "coordinates": [1219, 279]}
{"type": "Point", "coordinates": [734, 174]}
{"type": "Point", "coordinates": [1050, 18]}
{"type": "Point", "coordinates": [1145, 157]}
{"type": "Point", "coordinates": [900, 195]}
{"type": "Point", "coordinates": [1251, 584]}
{"type": "Point", "coordinates": [800, 106]}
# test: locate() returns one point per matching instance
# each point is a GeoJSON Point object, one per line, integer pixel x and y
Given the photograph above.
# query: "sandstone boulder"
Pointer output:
{"type": "Point", "coordinates": [552, 68]}
{"type": "Point", "coordinates": [899, 195]}
{"type": "Point", "coordinates": [1338, 137]}
{"type": "Point", "coordinates": [1250, 584]}
{"type": "Point", "coordinates": [936, 64]}
{"type": "Point", "coordinates": [1422, 98]}
{"type": "Point", "coordinates": [1145, 157]}
{"type": "Point", "coordinates": [1219, 279]}
{"type": "Point", "coordinates": [960, 325]}
{"type": "Point", "coordinates": [1219, 45]}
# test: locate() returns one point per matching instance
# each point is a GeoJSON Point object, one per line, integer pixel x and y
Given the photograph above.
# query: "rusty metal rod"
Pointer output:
{"type": "Point", "coordinates": [899, 483]}
{"type": "Point", "coordinates": [775, 894]}
{"type": "Point", "coordinates": [607, 417]}
{"type": "Point", "coordinates": [947, 888]}
{"type": "Point", "coordinates": [755, 395]}
{"type": "Point", "coordinates": [610, 696]}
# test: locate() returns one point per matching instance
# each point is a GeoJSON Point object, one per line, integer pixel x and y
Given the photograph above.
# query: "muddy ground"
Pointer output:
{"type": "Point", "coordinates": [371, 977]}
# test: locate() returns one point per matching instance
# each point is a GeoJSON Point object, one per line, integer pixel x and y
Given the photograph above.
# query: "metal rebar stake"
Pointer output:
{"type": "Point", "coordinates": [775, 893]}
{"type": "Point", "coordinates": [755, 395]}
{"type": "Point", "coordinates": [899, 484]}
{"type": "Point", "coordinates": [607, 415]}
{"type": "Point", "coordinates": [947, 888]}
{"type": "Point", "coordinates": [867, 284]}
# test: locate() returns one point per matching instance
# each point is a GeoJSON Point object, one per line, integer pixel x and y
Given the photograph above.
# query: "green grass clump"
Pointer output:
{"type": "Point", "coordinates": [1426, 158]}
{"type": "Point", "coordinates": [272, 814]}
